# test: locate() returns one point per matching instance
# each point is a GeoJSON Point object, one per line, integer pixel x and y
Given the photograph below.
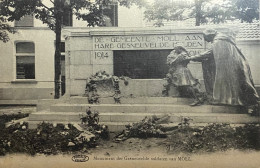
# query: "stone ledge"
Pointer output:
{"type": "Point", "coordinates": [101, 31]}
{"type": "Point", "coordinates": [24, 81]}
{"type": "Point", "coordinates": [18, 102]}
{"type": "Point", "coordinates": [141, 108]}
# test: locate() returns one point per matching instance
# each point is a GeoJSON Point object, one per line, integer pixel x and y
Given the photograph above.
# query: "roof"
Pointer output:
{"type": "Point", "coordinates": [249, 31]}
{"type": "Point", "coordinates": [242, 30]}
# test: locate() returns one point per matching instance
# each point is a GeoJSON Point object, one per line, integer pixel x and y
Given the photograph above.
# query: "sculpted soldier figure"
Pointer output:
{"type": "Point", "coordinates": [226, 71]}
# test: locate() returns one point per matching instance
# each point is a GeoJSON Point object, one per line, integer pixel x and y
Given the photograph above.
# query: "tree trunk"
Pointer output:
{"type": "Point", "coordinates": [198, 16]}
{"type": "Point", "coordinates": [57, 59]}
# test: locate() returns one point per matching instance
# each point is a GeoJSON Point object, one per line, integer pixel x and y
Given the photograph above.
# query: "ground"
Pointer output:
{"type": "Point", "coordinates": [229, 159]}
{"type": "Point", "coordinates": [134, 146]}
{"type": "Point", "coordinates": [133, 152]}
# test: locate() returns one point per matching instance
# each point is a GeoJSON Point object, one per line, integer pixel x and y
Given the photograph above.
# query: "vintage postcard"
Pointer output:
{"type": "Point", "coordinates": [129, 83]}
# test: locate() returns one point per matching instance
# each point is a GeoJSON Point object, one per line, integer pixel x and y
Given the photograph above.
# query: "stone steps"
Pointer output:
{"type": "Point", "coordinates": [45, 104]}
{"type": "Point", "coordinates": [134, 100]}
{"type": "Point", "coordinates": [116, 116]}
{"type": "Point", "coordinates": [144, 108]}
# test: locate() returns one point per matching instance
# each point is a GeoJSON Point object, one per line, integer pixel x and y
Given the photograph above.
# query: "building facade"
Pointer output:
{"type": "Point", "coordinates": [126, 45]}
{"type": "Point", "coordinates": [27, 60]}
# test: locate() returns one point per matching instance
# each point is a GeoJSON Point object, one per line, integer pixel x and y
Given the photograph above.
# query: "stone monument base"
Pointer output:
{"type": "Point", "coordinates": [134, 109]}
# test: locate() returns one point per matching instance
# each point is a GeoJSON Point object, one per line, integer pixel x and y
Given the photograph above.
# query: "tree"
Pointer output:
{"type": "Point", "coordinates": [4, 29]}
{"type": "Point", "coordinates": [204, 11]}
{"type": "Point", "coordinates": [51, 12]}
{"type": "Point", "coordinates": [247, 10]}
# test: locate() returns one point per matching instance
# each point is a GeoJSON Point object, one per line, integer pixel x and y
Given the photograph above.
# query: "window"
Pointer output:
{"type": "Point", "coordinates": [25, 60]}
{"type": "Point", "coordinates": [26, 21]}
{"type": "Point", "coordinates": [110, 13]}
{"type": "Point", "coordinates": [67, 17]}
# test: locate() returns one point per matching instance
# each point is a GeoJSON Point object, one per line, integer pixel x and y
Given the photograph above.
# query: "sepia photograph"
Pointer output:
{"type": "Point", "coordinates": [129, 83]}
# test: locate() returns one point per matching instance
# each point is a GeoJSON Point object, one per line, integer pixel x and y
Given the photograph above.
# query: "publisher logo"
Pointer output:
{"type": "Point", "coordinates": [80, 158]}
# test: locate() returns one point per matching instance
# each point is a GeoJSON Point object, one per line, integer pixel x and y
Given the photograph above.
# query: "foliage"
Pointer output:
{"type": "Point", "coordinates": [58, 138]}
{"type": "Point", "coordinates": [198, 139]}
{"type": "Point", "coordinates": [46, 139]}
{"type": "Point", "coordinates": [5, 28]}
{"type": "Point", "coordinates": [147, 128]}
{"type": "Point", "coordinates": [167, 85]}
{"type": "Point", "coordinates": [248, 137]}
{"type": "Point", "coordinates": [247, 10]}
{"type": "Point", "coordinates": [49, 11]}
{"type": "Point", "coordinates": [9, 117]}
{"type": "Point", "coordinates": [50, 138]}
{"type": "Point", "coordinates": [90, 122]}
{"type": "Point", "coordinates": [103, 78]}
{"type": "Point", "coordinates": [214, 137]}
{"type": "Point", "coordinates": [204, 11]}
{"type": "Point", "coordinates": [91, 87]}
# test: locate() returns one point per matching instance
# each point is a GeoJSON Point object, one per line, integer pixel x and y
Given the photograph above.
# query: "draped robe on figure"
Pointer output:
{"type": "Point", "coordinates": [227, 74]}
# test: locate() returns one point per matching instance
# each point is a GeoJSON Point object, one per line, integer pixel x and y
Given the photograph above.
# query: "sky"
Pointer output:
{"type": "Point", "coordinates": [213, 1]}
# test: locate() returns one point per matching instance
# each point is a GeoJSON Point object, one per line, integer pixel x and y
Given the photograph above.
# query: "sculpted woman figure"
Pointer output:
{"type": "Point", "coordinates": [226, 71]}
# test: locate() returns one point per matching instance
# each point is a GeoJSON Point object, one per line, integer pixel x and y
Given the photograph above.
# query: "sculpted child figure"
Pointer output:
{"type": "Point", "coordinates": [180, 76]}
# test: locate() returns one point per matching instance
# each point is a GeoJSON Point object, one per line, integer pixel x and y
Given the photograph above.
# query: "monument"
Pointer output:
{"type": "Point", "coordinates": [140, 54]}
